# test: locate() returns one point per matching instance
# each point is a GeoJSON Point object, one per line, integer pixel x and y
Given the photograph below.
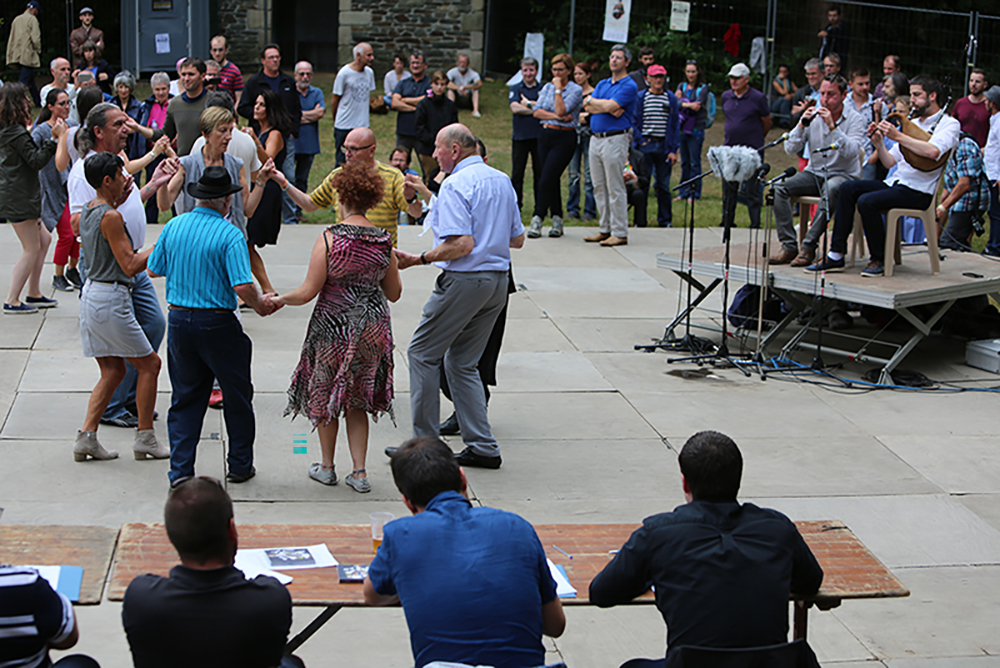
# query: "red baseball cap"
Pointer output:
{"type": "Point", "coordinates": [656, 71]}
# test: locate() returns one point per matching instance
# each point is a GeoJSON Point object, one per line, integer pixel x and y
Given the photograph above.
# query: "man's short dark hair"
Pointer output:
{"type": "Point", "coordinates": [930, 85]}
{"type": "Point", "coordinates": [529, 61]}
{"type": "Point", "coordinates": [834, 8]}
{"type": "Point", "coordinates": [647, 51]}
{"type": "Point", "coordinates": [979, 70]}
{"type": "Point", "coordinates": [267, 47]}
{"type": "Point", "coordinates": [417, 53]}
{"type": "Point", "coordinates": [424, 467]}
{"type": "Point", "coordinates": [834, 58]}
{"type": "Point", "coordinates": [837, 80]}
{"type": "Point", "coordinates": [195, 62]}
{"type": "Point", "coordinates": [101, 165]}
{"type": "Point", "coordinates": [219, 99]}
{"type": "Point", "coordinates": [197, 518]}
{"type": "Point", "coordinates": [858, 72]}
{"type": "Point", "coordinates": [712, 465]}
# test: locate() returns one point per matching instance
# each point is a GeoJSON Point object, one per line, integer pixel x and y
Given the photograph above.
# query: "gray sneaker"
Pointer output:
{"type": "Point", "coordinates": [325, 476]}
{"type": "Point", "coordinates": [60, 283]}
{"type": "Point", "coordinates": [557, 227]}
{"type": "Point", "coordinates": [535, 230]}
{"type": "Point", "coordinates": [360, 485]}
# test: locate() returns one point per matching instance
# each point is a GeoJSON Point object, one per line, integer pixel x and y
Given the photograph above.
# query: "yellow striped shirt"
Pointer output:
{"type": "Point", "coordinates": [385, 215]}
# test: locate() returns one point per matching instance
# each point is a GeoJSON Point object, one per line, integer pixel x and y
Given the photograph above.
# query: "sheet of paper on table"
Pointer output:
{"type": "Point", "coordinates": [563, 588]}
{"type": "Point", "coordinates": [265, 561]}
{"type": "Point", "coordinates": [64, 579]}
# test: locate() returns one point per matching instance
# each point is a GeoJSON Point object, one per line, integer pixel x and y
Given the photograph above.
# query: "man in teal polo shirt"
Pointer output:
{"type": "Point", "coordinates": [204, 258]}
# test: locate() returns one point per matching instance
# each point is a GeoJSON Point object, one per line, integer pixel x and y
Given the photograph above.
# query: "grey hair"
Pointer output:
{"type": "Point", "coordinates": [624, 49]}
{"type": "Point", "coordinates": [210, 62]}
{"type": "Point", "coordinates": [52, 63]}
{"type": "Point", "coordinates": [529, 61]}
{"type": "Point", "coordinates": [813, 62]}
{"type": "Point", "coordinates": [356, 51]}
{"type": "Point", "coordinates": [458, 134]}
{"type": "Point", "coordinates": [159, 78]}
{"type": "Point", "coordinates": [97, 118]}
{"type": "Point", "coordinates": [125, 77]}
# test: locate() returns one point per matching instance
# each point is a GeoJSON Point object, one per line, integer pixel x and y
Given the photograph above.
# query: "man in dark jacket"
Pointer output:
{"type": "Point", "coordinates": [433, 113]}
{"type": "Point", "coordinates": [271, 76]}
{"type": "Point", "coordinates": [722, 571]}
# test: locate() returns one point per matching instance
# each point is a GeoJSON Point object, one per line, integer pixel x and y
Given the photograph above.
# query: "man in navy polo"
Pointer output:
{"type": "Point", "coordinates": [524, 140]}
{"type": "Point", "coordinates": [408, 94]}
{"type": "Point", "coordinates": [611, 107]}
{"type": "Point", "coordinates": [474, 582]}
{"type": "Point", "coordinates": [748, 120]}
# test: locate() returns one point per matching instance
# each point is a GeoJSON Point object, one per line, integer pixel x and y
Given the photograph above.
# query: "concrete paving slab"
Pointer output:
{"type": "Point", "coordinates": [549, 372]}
{"type": "Point", "coordinates": [20, 331]}
{"type": "Point", "coordinates": [952, 662]}
{"type": "Point", "coordinates": [535, 335]}
{"type": "Point", "coordinates": [540, 509]}
{"type": "Point", "coordinates": [610, 334]}
{"type": "Point", "coordinates": [101, 635]}
{"type": "Point", "coordinates": [562, 279]}
{"type": "Point", "coordinates": [986, 506]}
{"type": "Point", "coordinates": [535, 471]}
{"type": "Point", "coordinates": [904, 531]}
{"type": "Point", "coordinates": [13, 363]}
{"type": "Point", "coordinates": [610, 637]}
{"type": "Point", "coordinates": [557, 416]}
{"type": "Point", "coordinates": [833, 643]}
{"type": "Point", "coordinates": [963, 467]}
{"type": "Point", "coordinates": [271, 370]}
{"type": "Point", "coordinates": [60, 371]}
{"type": "Point", "coordinates": [895, 414]}
{"type": "Point", "coordinates": [922, 625]}
{"type": "Point", "coordinates": [603, 304]}
{"type": "Point", "coordinates": [6, 401]}
{"type": "Point", "coordinates": [651, 372]}
{"type": "Point", "coordinates": [353, 509]}
{"type": "Point", "coordinates": [356, 636]}
{"type": "Point", "coordinates": [60, 334]}
{"type": "Point", "coordinates": [69, 303]}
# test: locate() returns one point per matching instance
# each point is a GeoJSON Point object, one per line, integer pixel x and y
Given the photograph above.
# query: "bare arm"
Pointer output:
{"type": "Point", "coordinates": [922, 148]}
{"type": "Point", "coordinates": [518, 241]}
{"type": "Point", "coordinates": [315, 277]}
{"type": "Point", "coordinates": [598, 106]}
{"type": "Point", "coordinates": [334, 103]}
{"type": "Point", "coordinates": [62, 152]}
{"type": "Point", "coordinates": [392, 286]}
{"type": "Point", "coordinates": [113, 229]}
{"type": "Point", "coordinates": [165, 197]}
{"type": "Point", "coordinates": [400, 105]}
{"type": "Point", "coordinates": [303, 200]}
{"type": "Point", "coordinates": [553, 618]}
{"type": "Point", "coordinates": [250, 295]}
{"type": "Point", "coordinates": [451, 248]}
{"type": "Point", "coordinates": [372, 597]}
{"type": "Point", "coordinates": [314, 114]}
{"type": "Point", "coordinates": [952, 196]}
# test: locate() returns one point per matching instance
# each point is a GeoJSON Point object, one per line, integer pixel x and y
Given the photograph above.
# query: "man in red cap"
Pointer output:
{"type": "Point", "coordinates": [657, 138]}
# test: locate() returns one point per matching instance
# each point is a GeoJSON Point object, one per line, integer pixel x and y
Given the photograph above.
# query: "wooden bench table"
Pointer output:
{"type": "Point", "coordinates": [850, 569]}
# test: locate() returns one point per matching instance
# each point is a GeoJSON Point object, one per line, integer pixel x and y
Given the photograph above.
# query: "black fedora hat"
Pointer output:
{"type": "Point", "coordinates": [213, 184]}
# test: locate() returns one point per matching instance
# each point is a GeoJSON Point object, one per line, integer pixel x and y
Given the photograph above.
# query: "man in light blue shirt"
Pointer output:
{"type": "Point", "coordinates": [476, 222]}
{"type": "Point", "coordinates": [205, 261]}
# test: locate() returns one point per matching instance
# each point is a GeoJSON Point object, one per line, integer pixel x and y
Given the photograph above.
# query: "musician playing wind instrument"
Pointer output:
{"type": "Point", "coordinates": [835, 135]}
{"type": "Point", "coordinates": [919, 156]}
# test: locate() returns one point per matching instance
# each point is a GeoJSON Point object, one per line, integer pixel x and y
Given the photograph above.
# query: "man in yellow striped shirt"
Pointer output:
{"type": "Point", "coordinates": [399, 197]}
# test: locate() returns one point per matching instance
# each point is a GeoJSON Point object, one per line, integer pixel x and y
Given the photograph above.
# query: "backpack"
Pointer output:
{"type": "Point", "coordinates": [710, 108]}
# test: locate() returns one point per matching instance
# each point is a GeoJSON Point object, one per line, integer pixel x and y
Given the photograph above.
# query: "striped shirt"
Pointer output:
{"type": "Point", "coordinates": [32, 615]}
{"type": "Point", "coordinates": [655, 115]}
{"type": "Point", "coordinates": [232, 79]}
{"type": "Point", "coordinates": [385, 214]}
{"type": "Point", "coordinates": [203, 257]}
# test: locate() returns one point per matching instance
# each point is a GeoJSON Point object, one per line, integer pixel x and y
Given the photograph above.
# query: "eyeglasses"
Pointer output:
{"type": "Point", "coordinates": [691, 62]}
{"type": "Point", "coordinates": [63, 104]}
{"type": "Point", "coordinates": [356, 149]}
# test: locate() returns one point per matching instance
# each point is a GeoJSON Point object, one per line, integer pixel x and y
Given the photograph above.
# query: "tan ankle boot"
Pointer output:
{"type": "Point", "coordinates": [146, 444]}
{"type": "Point", "coordinates": [87, 445]}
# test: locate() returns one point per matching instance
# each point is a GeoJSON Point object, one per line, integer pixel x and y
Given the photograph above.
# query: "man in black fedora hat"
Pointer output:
{"type": "Point", "coordinates": [205, 261]}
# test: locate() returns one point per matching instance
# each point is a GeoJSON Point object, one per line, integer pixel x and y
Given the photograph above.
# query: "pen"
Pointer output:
{"type": "Point", "coordinates": [556, 547]}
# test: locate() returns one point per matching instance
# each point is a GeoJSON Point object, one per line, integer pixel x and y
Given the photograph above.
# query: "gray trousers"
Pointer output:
{"type": "Point", "coordinates": [803, 184]}
{"type": "Point", "coordinates": [454, 329]}
{"type": "Point", "coordinates": [607, 163]}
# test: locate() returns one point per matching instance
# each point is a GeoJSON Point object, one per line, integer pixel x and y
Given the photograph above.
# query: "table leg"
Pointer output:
{"type": "Point", "coordinates": [314, 626]}
{"type": "Point", "coordinates": [801, 620]}
{"type": "Point", "coordinates": [923, 330]}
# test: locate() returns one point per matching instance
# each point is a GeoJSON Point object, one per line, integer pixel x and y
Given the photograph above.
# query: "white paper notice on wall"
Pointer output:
{"type": "Point", "coordinates": [616, 20]}
{"type": "Point", "coordinates": [680, 15]}
{"type": "Point", "coordinates": [163, 43]}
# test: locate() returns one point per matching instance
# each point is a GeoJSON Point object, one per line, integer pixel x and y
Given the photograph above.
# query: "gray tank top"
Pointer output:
{"type": "Point", "coordinates": [194, 167]}
{"type": "Point", "coordinates": [101, 263]}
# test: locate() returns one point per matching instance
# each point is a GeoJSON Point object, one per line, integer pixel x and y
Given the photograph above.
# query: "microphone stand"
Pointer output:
{"type": "Point", "coordinates": [817, 363]}
{"type": "Point", "coordinates": [758, 357]}
{"type": "Point", "coordinates": [693, 344]}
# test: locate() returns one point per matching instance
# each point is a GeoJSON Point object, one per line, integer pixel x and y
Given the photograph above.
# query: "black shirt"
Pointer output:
{"type": "Point", "coordinates": [723, 573]}
{"type": "Point", "coordinates": [212, 619]}
{"type": "Point", "coordinates": [286, 89]}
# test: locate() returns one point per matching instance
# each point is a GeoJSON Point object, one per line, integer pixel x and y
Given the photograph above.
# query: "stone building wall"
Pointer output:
{"type": "Point", "coordinates": [242, 21]}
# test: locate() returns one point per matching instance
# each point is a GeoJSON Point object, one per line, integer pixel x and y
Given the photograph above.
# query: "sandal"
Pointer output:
{"type": "Point", "coordinates": [325, 476]}
{"type": "Point", "coordinates": [360, 485]}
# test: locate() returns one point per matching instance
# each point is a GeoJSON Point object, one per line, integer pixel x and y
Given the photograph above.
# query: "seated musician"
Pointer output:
{"type": "Point", "coordinates": [908, 187]}
{"type": "Point", "coordinates": [722, 571]}
{"type": "Point", "coordinates": [474, 582]}
{"type": "Point", "coordinates": [822, 126]}
{"type": "Point", "coordinates": [206, 613]}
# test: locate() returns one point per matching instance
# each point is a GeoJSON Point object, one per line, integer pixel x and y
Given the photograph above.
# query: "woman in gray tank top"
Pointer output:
{"type": "Point", "coordinates": [108, 328]}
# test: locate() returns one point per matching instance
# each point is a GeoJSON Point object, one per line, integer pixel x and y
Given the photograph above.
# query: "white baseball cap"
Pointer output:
{"type": "Point", "coordinates": [739, 70]}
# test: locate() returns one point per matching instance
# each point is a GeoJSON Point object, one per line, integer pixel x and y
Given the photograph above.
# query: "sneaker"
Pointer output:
{"type": "Point", "coordinates": [320, 474]}
{"type": "Point", "coordinates": [360, 485]}
{"type": "Point", "coordinates": [873, 270]}
{"type": "Point", "coordinates": [827, 264]}
{"type": "Point", "coordinates": [557, 227]}
{"type": "Point", "coordinates": [127, 421]}
{"type": "Point", "coordinates": [41, 302]}
{"type": "Point", "coordinates": [476, 114]}
{"type": "Point", "coordinates": [60, 283]}
{"type": "Point", "coordinates": [20, 309]}
{"type": "Point", "coordinates": [469, 458]}
{"type": "Point", "coordinates": [215, 400]}
{"type": "Point", "coordinates": [535, 230]}
{"type": "Point", "coordinates": [73, 276]}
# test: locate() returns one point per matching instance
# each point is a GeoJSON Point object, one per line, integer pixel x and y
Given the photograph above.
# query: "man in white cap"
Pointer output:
{"type": "Point", "coordinates": [748, 120]}
{"type": "Point", "coordinates": [85, 32]}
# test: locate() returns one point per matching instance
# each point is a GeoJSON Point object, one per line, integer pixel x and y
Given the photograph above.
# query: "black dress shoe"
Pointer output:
{"type": "Point", "coordinates": [241, 477]}
{"type": "Point", "coordinates": [450, 426]}
{"type": "Point", "coordinates": [391, 450]}
{"type": "Point", "coordinates": [469, 458]}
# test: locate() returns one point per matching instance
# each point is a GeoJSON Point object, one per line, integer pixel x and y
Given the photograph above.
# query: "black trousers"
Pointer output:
{"type": "Point", "coordinates": [520, 149]}
{"type": "Point", "coordinates": [555, 151]}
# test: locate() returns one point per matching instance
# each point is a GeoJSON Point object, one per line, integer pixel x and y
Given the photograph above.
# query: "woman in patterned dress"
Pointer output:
{"type": "Point", "coordinates": [346, 363]}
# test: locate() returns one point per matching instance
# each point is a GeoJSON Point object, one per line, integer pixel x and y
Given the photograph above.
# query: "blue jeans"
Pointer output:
{"type": "Point", "coordinates": [288, 169]}
{"type": "Point", "coordinates": [303, 165]}
{"type": "Point", "coordinates": [691, 162]}
{"type": "Point", "coordinates": [993, 244]}
{"type": "Point", "coordinates": [655, 153]}
{"type": "Point", "coordinates": [203, 346]}
{"type": "Point", "coordinates": [146, 306]}
{"type": "Point", "coordinates": [781, 110]}
{"type": "Point", "coordinates": [582, 155]}
{"type": "Point", "coordinates": [27, 77]}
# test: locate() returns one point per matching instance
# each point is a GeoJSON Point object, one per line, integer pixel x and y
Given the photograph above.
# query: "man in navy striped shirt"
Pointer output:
{"type": "Point", "coordinates": [658, 137]}
{"type": "Point", "coordinates": [205, 261]}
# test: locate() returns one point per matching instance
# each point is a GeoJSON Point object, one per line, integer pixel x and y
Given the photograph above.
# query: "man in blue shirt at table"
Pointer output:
{"type": "Point", "coordinates": [474, 582]}
{"type": "Point", "coordinates": [612, 115]}
{"type": "Point", "coordinates": [204, 258]}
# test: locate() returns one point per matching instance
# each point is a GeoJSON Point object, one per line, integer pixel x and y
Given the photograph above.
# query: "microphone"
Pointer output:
{"type": "Point", "coordinates": [762, 172]}
{"type": "Point", "coordinates": [832, 147]}
{"type": "Point", "coordinates": [777, 141]}
{"type": "Point", "coordinates": [784, 175]}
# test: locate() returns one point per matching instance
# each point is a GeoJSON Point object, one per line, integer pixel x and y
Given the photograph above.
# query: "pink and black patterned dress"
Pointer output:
{"type": "Point", "coordinates": [347, 354]}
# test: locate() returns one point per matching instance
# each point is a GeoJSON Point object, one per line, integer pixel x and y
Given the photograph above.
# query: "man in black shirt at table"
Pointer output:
{"type": "Point", "coordinates": [722, 571]}
{"type": "Point", "coordinates": [206, 613]}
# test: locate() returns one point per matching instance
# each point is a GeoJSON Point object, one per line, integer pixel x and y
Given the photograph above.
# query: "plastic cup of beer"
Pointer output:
{"type": "Point", "coordinates": [379, 520]}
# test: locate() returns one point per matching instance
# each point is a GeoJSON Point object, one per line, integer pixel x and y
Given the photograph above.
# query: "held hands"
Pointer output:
{"type": "Point", "coordinates": [165, 170]}
{"type": "Point", "coordinates": [405, 259]}
{"type": "Point", "coordinates": [162, 145]}
{"type": "Point", "coordinates": [415, 183]}
{"type": "Point", "coordinates": [58, 129]}
{"type": "Point", "coordinates": [268, 304]}
{"type": "Point", "coordinates": [126, 191]}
